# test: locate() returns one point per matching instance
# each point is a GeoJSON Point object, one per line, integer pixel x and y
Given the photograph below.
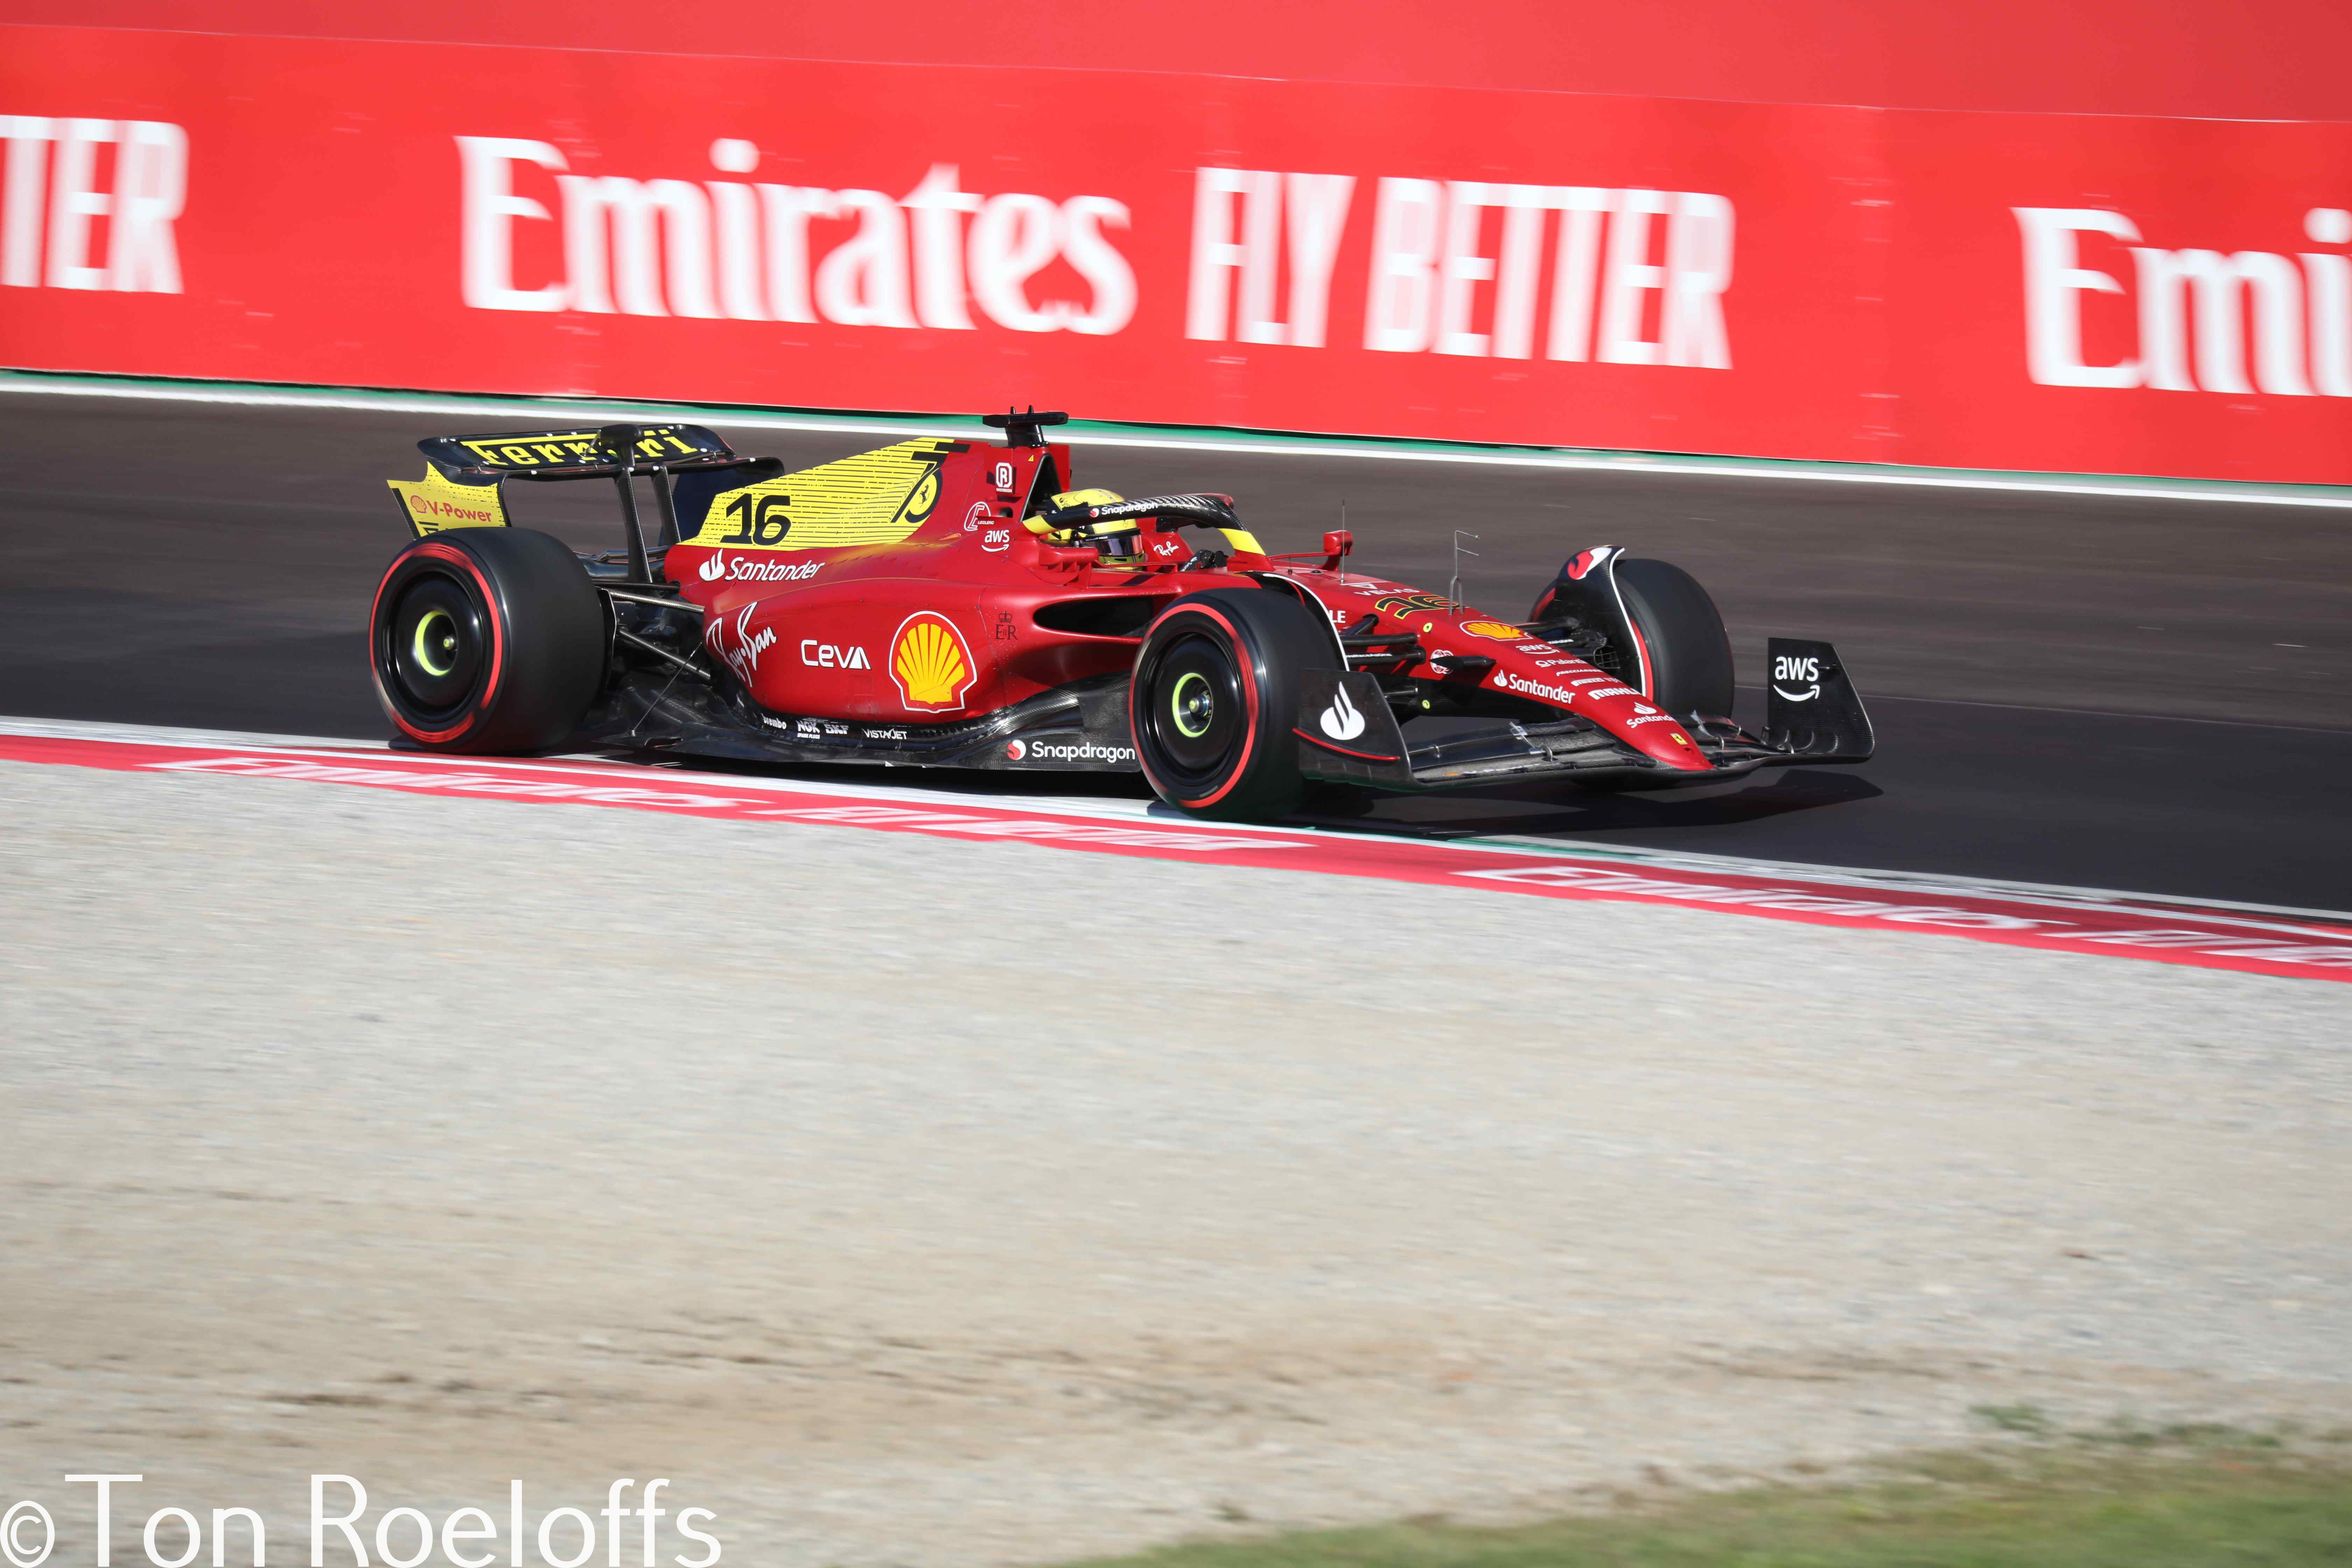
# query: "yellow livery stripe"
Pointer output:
{"type": "Point", "coordinates": [875, 498]}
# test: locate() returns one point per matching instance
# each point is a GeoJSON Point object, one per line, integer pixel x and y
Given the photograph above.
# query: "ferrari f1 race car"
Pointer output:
{"type": "Point", "coordinates": [952, 604]}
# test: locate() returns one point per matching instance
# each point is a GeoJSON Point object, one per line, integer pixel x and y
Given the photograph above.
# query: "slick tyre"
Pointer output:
{"type": "Point", "coordinates": [486, 640]}
{"type": "Point", "coordinates": [1684, 643]}
{"type": "Point", "coordinates": [1215, 699]}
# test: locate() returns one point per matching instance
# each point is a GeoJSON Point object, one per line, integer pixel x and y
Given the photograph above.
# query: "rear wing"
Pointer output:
{"type": "Point", "coordinates": [575, 454]}
{"type": "Point", "coordinates": [464, 485]}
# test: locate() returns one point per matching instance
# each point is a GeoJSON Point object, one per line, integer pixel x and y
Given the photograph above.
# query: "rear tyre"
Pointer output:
{"type": "Point", "coordinates": [1215, 699]}
{"type": "Point", "coordinates": [486, 640]}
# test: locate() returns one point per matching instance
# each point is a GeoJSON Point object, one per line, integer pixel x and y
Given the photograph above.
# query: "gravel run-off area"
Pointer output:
{"type": "Point", "coordinates": [914, 1202]}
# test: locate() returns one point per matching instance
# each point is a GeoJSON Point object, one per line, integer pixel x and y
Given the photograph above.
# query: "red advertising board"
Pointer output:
{"type": "Point", "coordinates": [2207, 59]}
{"type": "Point", "coordinates": [1965, 288]}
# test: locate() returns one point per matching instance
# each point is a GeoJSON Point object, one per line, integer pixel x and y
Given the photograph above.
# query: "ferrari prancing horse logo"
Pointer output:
{"type": "Point", "coordinates": [1403, 604]}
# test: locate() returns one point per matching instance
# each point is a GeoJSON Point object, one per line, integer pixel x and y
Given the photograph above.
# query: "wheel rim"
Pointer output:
{"type": "Point", "coordinates": [1193, 705]}
{"type": "Point", "coordinates": [1197, 714]}
{"type": "Point", "coordinates": [437, 645]}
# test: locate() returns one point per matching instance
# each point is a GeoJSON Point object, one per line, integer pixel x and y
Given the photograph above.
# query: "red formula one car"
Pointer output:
{"type": "Point", "coordinates": [944, 603]}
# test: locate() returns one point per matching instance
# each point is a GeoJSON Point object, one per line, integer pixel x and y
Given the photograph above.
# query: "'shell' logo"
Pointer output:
{"type": "Point", "coordinates": [930, 662]}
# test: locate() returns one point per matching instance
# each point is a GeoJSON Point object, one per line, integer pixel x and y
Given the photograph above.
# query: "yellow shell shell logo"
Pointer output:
{"type": "Point", "coordinates": [930, 662]}
{"type": "Point", "coordinates": [1499, 631]}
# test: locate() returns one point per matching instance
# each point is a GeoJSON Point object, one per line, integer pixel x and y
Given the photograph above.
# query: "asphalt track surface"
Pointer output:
{"type": "Point", "coordinates": [2152, 695]}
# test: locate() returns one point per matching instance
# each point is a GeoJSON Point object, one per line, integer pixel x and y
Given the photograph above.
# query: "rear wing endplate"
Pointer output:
{"type": "Point", "coordinates": [436, 502]}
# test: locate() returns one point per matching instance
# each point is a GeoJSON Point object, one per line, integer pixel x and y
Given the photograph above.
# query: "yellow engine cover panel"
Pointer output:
{"type": "Point", "coordinates": [875, 498]}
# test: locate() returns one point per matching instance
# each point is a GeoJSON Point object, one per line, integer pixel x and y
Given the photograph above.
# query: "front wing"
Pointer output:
{"type": "Point", "coordinates": [1348, 733]}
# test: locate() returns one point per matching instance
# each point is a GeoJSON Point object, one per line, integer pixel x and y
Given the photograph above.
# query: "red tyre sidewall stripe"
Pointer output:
{"type": "Point", "coordinates": [452, 555]}
{"type": "Point", "coordinates": [1243, 656]}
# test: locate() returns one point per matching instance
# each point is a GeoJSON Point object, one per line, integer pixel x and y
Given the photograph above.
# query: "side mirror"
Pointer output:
{"type": "Point", "coordinates": [1337, 544]}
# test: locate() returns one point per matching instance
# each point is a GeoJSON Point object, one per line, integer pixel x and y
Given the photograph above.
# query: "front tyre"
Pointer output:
{"type": "Point", "coordinates": [486, 640]}
{"type": "Point", "coordinates": [1215, 699]}
{"type": "Point", "coordinates": [1685, 648]}
{"type": "Point", "coordinates": [1664, 636]}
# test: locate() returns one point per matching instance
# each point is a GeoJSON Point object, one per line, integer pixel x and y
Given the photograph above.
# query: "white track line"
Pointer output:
{"type": "Point", "coordinates": [1101, 808]}
{"type": "Point", "coordinates": [1269, 445]}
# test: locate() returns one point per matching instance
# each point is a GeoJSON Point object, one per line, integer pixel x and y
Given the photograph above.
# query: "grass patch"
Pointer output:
{"type": "Point", "coordinates": [2181, 1499]}
{"type": "Point", "coordinates": [2028, 1419]}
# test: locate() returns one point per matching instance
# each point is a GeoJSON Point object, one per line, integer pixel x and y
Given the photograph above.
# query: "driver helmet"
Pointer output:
{"type": "Point", "coordinates": [1118, 538]}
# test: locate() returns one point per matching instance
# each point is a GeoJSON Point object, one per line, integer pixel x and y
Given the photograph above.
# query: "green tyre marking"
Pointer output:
{"type": "Point", "coordinates": [448, 642]}
{"type": "Point", "coordinates": [1182, 711]}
